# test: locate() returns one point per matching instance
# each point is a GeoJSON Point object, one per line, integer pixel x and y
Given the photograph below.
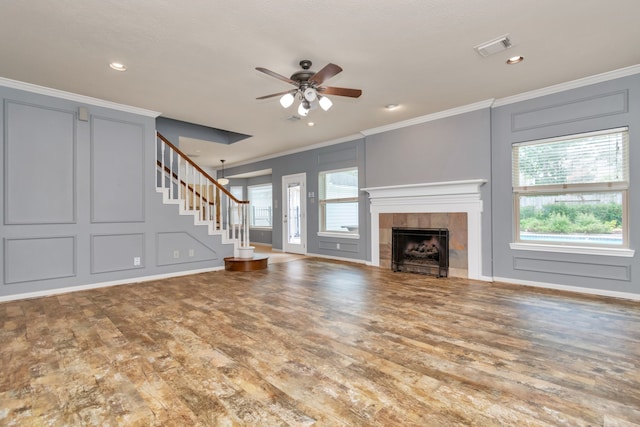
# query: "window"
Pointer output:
{"type": "Point", "coordinates": [572, 190]}
{"type": "Point", "coordinates": [338, 201]}
{"type": "Point", "coordinates": [260, 215]}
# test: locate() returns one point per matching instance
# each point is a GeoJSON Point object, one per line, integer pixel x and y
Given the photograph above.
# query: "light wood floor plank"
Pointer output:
{"type": "Point", "coordinates": [313, 342]}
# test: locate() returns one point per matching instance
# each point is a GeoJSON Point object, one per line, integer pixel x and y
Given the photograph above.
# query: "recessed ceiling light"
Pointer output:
{"type": "Point", "coordinates": [118, 66]}
{"type": "Point", "coordinates": [515, 60]}
{"type": "Point", "coordinates": [392, 107]}
{"type": "Point", "coordinates": [311, 124]}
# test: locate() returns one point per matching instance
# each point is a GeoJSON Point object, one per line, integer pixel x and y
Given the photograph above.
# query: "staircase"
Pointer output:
{"type": "Point", "coordinates": [185, 184]}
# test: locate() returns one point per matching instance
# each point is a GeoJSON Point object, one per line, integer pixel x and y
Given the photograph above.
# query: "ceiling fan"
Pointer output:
{"type": "Point", "coordinates": [309, 87]}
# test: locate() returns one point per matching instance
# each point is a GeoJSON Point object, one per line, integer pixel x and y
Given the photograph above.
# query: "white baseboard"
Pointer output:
{"type": "Point", "coordinates": [58, 291]}
{"type": "Point", "coordinates": [578, 289]}
{"type": "Point", "coordinates": [337, 258]}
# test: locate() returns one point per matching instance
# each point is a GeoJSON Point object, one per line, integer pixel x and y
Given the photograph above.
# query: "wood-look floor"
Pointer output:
{"type": "Point", "coordinates": [323, 343]}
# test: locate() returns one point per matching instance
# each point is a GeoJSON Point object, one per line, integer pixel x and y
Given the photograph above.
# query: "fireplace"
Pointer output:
{"type": "Point", "coordinates": [432, 205]}
{"type": "Point", "coordinates": [420, 250]}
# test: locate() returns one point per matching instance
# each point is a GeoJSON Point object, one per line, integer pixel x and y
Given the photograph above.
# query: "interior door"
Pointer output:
{"type": "Point", "coordinates": [294, 217]}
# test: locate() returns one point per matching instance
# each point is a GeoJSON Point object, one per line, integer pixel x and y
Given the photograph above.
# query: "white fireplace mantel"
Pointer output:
{"type": "Point", "coordinates": [439, 197]}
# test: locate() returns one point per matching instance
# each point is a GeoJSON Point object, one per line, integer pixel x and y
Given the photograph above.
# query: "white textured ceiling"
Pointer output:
{"type": "Point", "coordinates": [195, 60]}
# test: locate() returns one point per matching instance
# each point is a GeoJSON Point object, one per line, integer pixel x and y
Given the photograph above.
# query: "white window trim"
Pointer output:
{"type": "Point", "coordinates": [582, 250]}
{"type": "Point", "coordinates": [554, 247]}
{"type": "Point", "coordinates": [265, 227]}
{"type": "Point", "coordinates": [346, 234]}
{"type": "Point", "coordinates": [338, 234]}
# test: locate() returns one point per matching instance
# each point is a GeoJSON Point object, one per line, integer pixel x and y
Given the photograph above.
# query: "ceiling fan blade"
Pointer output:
{"type": "Point", "coordinates": [276, 94]}
{"type": "Point", "coordinates": [326, 73]}
{"type": "Point", "coordinates": [276, 75]}
{"type": "Point", "coordinates": [340, 91]}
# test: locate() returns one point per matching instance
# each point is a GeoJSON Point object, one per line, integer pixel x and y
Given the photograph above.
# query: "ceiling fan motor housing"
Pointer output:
{"type": "Point", "coordinates": [305, 74]}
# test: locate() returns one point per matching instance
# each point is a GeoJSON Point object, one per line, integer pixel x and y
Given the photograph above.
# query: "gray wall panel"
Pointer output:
{"type": "Point", "coordinates": [42, 258]}
{"type": "Point", "coordinates": [335, 157]}
{"type": "Point", "coordinates": [114, 161]}
{"type": "Point", "coordinates": [605, 105]}
{"type": "Point", "coordinates": [339, 246]}
{"type": "Point", "coordinates": [580, 269]}
{"type": "Point", "coordinates": [39, 178]}
{"type": "Point", "coordinates": [311, 163]}
{"type": "Point", "coordinates": [582, 109]}
{"type": "Point", "coordinates": [182, 247]}
{"type": "Point", "coordinates": [116, 252]}
{"type": "Point", "coordinates": [451, 149]}
{"type": "Point", "coordinates": [117, 178]}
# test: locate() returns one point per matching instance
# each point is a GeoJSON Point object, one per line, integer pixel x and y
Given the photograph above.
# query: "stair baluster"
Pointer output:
{"type": "Point", "coordinates": [200, 195]}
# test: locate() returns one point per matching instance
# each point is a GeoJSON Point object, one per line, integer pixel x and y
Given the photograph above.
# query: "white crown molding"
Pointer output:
{"type": "Point", "coordinates": [347, 138]}
{"type": "Point", "coordinates": [430, 117]}
{"type": "Point", "coordinates": [577, 289]}
{"type": "Point", "coordinates": [41, 90]}
{"type": "Point", "coordinates": [574, 84]}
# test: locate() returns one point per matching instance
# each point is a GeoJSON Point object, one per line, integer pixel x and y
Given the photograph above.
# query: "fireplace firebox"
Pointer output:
{"type": "Point", "coordinates": [420, 250]}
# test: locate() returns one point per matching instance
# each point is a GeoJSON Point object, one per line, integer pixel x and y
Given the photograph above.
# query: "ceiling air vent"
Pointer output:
{"type": "Point", "coordinates": [494, 46]}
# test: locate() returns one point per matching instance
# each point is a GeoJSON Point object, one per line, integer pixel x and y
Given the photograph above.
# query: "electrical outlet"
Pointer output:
{"type": "Point", "coordinates": [176, 254]}
{"type": "Point", "coordinates": [136, 260]}
{"type": "Point", "coordinates": [192, 252]}
{"type": "Point", "coordinates": [337, 245]}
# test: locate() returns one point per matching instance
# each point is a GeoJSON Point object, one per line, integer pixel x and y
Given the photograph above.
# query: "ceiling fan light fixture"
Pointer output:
{"type": "Point", "coordinates": [309, 88]}
{"type": "Point", "coordinates": [303, 109]}
{"type": "Point", "coordinates": [325, 103]}
{"type": "Point", "coordinates": [310, 94]}
{"type": "Point", "coordinates": [287, 100]}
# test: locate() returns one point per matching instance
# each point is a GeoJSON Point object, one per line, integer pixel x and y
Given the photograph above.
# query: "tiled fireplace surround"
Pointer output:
{"type": "Point", "coordinates": [456, 223]}
{"type": "Point", "coordinates": [455, 205]}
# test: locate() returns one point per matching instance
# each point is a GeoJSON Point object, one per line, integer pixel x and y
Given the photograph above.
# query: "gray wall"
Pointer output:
{"type": "Point", "coordinates": [605, 105]}
{"type": "Point", "coordinates": [477, 145]}
{"type": "Point", "coordinates": [74, 222]}
{"type": "Point", "coordinates": [450, 149]}
{"type": "Point", "coordinates": [311, 163]}
{"type": "Point", "coordinates": [79, 200]}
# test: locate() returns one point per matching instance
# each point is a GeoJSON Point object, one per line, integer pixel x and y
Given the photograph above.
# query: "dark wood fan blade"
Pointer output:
{"type": "Point", "coordinates": [276, 75]}
{"type": "Point", "coordinates": [340, 91]}
{"type": "Point", "coordinates": [326, 73]}
{"type": "Point", "coordinates": [276, 94]}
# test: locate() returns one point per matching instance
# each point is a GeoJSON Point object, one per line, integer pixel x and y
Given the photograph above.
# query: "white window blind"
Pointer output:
{"type": "Point", "coordinates": [592, 158]}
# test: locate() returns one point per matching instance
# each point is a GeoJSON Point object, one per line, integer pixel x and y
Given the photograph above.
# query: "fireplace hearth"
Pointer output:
{"type": "Point", "coordinates": [420, 250]}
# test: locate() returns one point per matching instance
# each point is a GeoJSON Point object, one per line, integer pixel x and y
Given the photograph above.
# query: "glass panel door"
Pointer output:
{"type": "Point", "coordinates": [294, 215]}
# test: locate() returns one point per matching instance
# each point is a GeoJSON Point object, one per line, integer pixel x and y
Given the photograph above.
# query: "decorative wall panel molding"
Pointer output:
{"type": "Point", "coordinates": [181, 247]}
{"type": "Point", "coordinates": [39, 188]}
{"type": "Point", "coordinates": [117, 171]}
{"type": "Point", "coordinates": [607, 104]}
{"type": "Point", "coordinates": [117, 252]}
{"type": "Point", "coordinates": [39, 258]}
{"type": "Point", "coordinates": [339, 247]}
{"type": "Point", "coordinates": [580, 269]}
{"type": "Point", "coordinates": [338, 156]}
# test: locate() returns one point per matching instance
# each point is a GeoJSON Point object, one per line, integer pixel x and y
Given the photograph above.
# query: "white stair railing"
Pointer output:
{"type": "Point", "coordinates": [185, 184]}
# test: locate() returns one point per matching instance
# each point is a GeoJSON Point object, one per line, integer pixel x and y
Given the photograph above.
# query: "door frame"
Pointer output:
{"type": "Point", "coordinates": [286, 246]}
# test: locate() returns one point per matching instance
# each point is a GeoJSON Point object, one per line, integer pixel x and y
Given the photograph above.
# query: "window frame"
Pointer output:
{"type": "Point", "coordinates": [621, 187]}
{"type": "Point", "coordinates": [322, 203]}
{"type": "Point", "coordinates": [251, 216]}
